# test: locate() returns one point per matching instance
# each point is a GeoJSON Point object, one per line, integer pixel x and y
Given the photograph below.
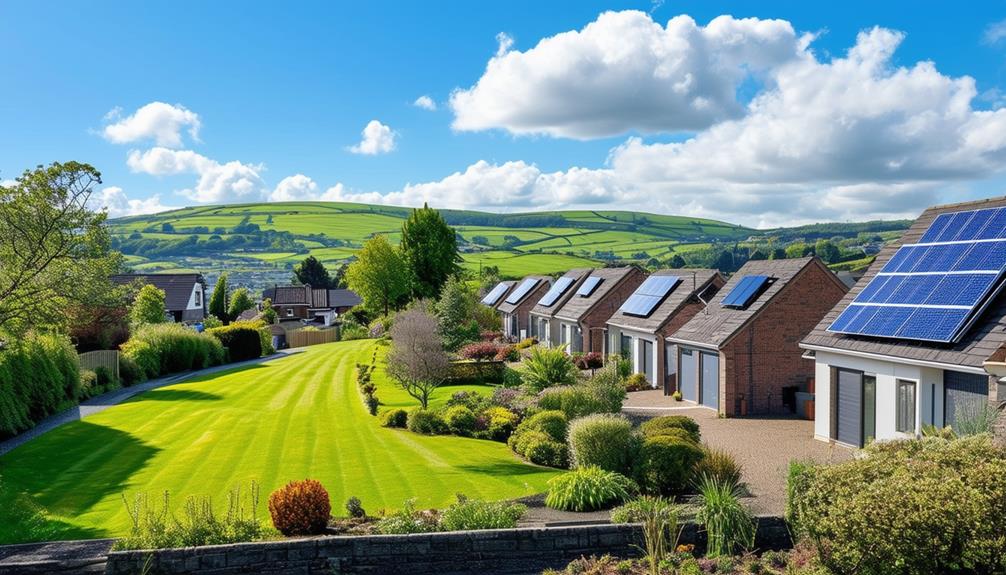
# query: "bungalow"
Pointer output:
{"type": "Point", "coordinates": [185, 294]}
{"type": "Point", "coordinates": [310, 304]}
{"type": "Point", "coordinates": [741, 354]}
{"type": "Point", "coordinates": [638, 333]}
{"type": "Point", "coordinates": [583, 317]}
{"type": "Point", "coordinates": [497, 295]}
{"type": "Point", "coordinates": [516, 306]}
{"type": "Point", "coordinates": [544, 325]}
{"type": "Point", "coordinates": [915, 341]}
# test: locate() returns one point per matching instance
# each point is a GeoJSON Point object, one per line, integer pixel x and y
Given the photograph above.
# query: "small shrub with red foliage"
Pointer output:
{"type": "Point", "coordinates": [300, 508]}
{"type": "Point", "coordinates": [491, 336]}
{"type": "Point", "coordinates": [480, 351]}
{"type": "Point", "coordinates": [589, 360]}
{"type": "Point", "coordinates": [507, 353]}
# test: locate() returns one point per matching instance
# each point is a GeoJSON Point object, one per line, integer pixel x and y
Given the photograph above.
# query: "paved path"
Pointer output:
{"type": "Point", "coordinates": [102, 402]}
{"type": "Point", "coordinates": [763, 446]}
{"type": "Point", "coordinates": [55, 557]}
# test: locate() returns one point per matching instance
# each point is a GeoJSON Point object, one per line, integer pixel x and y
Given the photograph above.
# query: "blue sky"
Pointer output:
{"type": "Point", "coordinates": [281, 93]}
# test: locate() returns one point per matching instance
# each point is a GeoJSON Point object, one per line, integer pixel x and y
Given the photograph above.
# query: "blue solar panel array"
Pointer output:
{"type": "Point", "coordinates": [746, 291]}
{"type": "Point", "coordinates": [558, 288]}
{"type": "Point", "coordinates": [494, 296]}
{"type": "Point", "coordinates": [522, 290]}
{"type": "Point", "coordinates": [649, 294]}
{"type": "Point", "coordinates": [588, 286]}
{"type": "Point", "coordinates": [935, 289]}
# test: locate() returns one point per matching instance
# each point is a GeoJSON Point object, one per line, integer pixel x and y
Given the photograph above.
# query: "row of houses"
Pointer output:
{"type": "Point", "coordinates": [919, 340]}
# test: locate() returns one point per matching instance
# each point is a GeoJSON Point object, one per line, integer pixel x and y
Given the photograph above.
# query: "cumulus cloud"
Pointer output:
{"type": "Point", "coordinates": [295, 188]}
{"type": "Point", "coordinates": [157, 121]}
{"type": "Point", "coordinates": [994, 32]}
{"type": "Point", "coordinates": [625, 72]}
{"type": "Point", "coordinates": [425, 102]}
{"type": "Point", "coordinates": [118, 204]}
{"type": "Point", "coordinates": [218, 182]}
{"type": "Point", "coordinates": [377, 139]}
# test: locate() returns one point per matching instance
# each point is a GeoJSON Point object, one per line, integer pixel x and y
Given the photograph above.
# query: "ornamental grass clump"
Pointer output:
{"type": "Point", "coordinates": [589, 489]}
{"type": "Point", "coordinates": [547, 367]}
{"type": "Point", "coordinates": [661, 529]}
{"type": "Point", "coordinates": [719, 465]}
{"type": "Point", "coordinates": [729, 525]}
{"type": "Point", "coordinates": [300, 508]}
{"type": "Point", "coordinates": [605, 440]}
{"type": "Point", "coordinates": [472, 514]}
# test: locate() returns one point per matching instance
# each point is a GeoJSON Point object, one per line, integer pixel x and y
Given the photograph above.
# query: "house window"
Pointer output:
{"type": "Point", "coordinates": [626, 346]}
{"type": "Point", "coordinates": [289, 312]}
{"type": "Point", "coordinates": [905, 418]}
{"type": "Point", "coordinates": [199, 296]}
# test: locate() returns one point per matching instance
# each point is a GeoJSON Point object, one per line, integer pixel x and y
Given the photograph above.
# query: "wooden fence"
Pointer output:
{"type": "Point", "coordinates": [303, 338]}
{"type": "Point", "coordinates": [92, 360]}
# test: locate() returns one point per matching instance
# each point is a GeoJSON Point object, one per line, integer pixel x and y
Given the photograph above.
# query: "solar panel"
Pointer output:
{"type": "Point", "coordinates": [494, 296]}
{"type": "Point", "coordinates": [935, 289]}
{"type": "Point", "coordinates": [522, 290]}
{"type": "Point", "coordinates": [558, 288]}
{"type": "Point", "coordinates": [649, 294]}
{"type": "Point", "coordinates": [745, 291]}
{"type": "Point", "coordinates": [588, 286]}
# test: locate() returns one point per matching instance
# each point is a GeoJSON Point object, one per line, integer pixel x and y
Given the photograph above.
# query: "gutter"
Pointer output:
{"type": "Point", "coordinates": [702, 345]}
{"type": "Point", "coordinates": [996, 369]}
{"type": "Point", "coordinates": [896, 359]}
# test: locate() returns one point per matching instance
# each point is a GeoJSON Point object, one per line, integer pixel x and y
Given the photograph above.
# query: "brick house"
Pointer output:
{"type": "Point", "coordinates": [583, 318]}
{"type": "Point", "coordinates": [184, 294]}
{"type": "Point", "coordinates": [741, 354]}
{"type": "Point", "coordinates": [887, 363]}
{"type": "Point", "coordinates": [544, 325]}
{"type": "Point", "coordinates": [515, 308]}
{"type": "Point", "coordinates": [642, 338]}
{"type": "Point", "coordinates": [497, 295]}
{"type": "Point", "coordinates": [310, 304]}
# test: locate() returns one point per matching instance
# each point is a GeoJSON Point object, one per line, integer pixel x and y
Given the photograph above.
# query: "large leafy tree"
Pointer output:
{"type": "Point", "coordinates": [148, 307]}
{"type": "Point", "coordinates": [454, 312]}
{"type": "Point", "coordinates": [218, 299]}
{"type": "Point", "coordinates": [54, 249]}
{"type": "Point", "coordinates": [313, 273]}
{"type": "Point", "coordinates": [378, 275]}
{"type": "Point", "coordinates": [240, 302]}
{"type": "Point", "coordinates": [430, 249]}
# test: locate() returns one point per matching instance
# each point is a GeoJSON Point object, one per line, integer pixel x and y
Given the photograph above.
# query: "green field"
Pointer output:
{"type": "Point", "coordinates": [286, 419]}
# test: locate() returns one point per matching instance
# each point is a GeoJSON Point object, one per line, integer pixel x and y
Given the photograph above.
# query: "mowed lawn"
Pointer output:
{"type": "Point", "coordinates": [286, 419]}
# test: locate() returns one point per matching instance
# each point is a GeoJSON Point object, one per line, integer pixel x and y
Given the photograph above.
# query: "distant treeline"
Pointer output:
{"type": "Point", "coordinates": [818, 231]}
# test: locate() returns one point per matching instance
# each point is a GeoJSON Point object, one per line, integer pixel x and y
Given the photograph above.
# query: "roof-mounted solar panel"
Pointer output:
{"type": "Point", "coordinates": [649, 295]}
{"type": "Point", "coordinates": [936, 289]}
{"type": "Point", "coordinates": [558, 288]}
{"type": "Point", "coordinates": [522, 290]}
{"type": "Point", "coordinates": [588, 286]}
{"type": "Point", "coordinates": [746, 290]}
{"type": "Point", "coordinates": [495, 294]}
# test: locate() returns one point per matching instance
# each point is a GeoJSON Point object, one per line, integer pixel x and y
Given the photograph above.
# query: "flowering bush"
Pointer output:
{"type": "Point", "coordinates": [480, 351]}
{"type": "Point", "coordinates": [493, 336]}
{"type": "Point", "coordinates": [507, 353]}
{"type": "Point", "coordinates": [300, 508]}
{"type": "Point", "coordinates": [589, 360]}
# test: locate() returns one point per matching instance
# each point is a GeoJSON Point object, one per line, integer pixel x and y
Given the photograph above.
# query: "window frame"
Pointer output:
{"type": "Point", "coordinates": [901, 424]}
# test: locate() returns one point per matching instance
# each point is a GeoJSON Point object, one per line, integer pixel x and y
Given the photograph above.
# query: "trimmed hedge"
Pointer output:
{"type": "Point", "coordinates": [657, 426]}
{"type": "Point", "coordinates": [162, 349]}
{"type": "Point", "coordinates": [244, 340]}
{"type": "Point", "coordinates": [667, 464]}
{"type": "Point", "coordinates": [39, 376]}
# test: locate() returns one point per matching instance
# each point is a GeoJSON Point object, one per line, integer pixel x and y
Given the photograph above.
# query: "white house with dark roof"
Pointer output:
{"type": "Point", "coordinates": [582, 319]}
{"type": "Point", "coordinates": [544, 325]}
{"type": "Point", "coordinates": [917, 340]}
{"type": "Point", "coordinates": [184, 294]}
{"type": "Point", "coordinates": [516, 306]}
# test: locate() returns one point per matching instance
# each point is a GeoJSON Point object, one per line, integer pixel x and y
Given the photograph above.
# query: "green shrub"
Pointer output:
{"type": "Point", "coordinates": [797, 478]}
{"type": "Point", "coordinates": [608, 388]}
{"type": "Point", "coordinates": [636, 382]}
{"type": "Point", "coordinates": [976, 419]}
{"type": "Point", "coordinates": [395, 418]}
{"type": "Point", "coordinates": [409, 520]}
{"type": "Point", "coordinates": [89, 386]}
{"type": "Point", "coordinates": [243, 339]}
{"type": "Point", "coordinates": [924, 505]}
{"type": "Point", "coordinates": [548, 367]}
{"type": "Point", "coordinates": [354, 508]}
{"type": "Point", "coordinates": [573, 400]}
{"type": "Point", "coordinates": [162, 349]}
{"type": "Point", "coordinates": [552, 423]}
{"type": "Point", "coordinates": [500, 423]}
{"type": "Point", "coordinates": [666, 464]}
{"type": "Point", "coordinates": [588, 489]}
{"type": "Point", "coordinates": [542, 451]}
{"type": "Point", "coordinates": [719, 465]}
{"type": "Point", "coordinates": [603, 440]}
{"type": "Point", "coordinates": [426, 422]}
{"type": "Point", "coordinates": [657, 425]}
{"type": "Point", "coordinates": [471, 514]}
{"type": "Point", "coordinates": [352, 331]}
{"type": "Point", "coordinates": [105, 378]}
{"type": "Point", "coordinates": [511, 377]}
{"type": "Point", "coordinates": [39, 376]}
{"type": "Point", "coordinates": [129, 372]}
{"type": "Point", "coordinates": [460, 420]}
{"type": "Point", "coordinates": [729, 526]}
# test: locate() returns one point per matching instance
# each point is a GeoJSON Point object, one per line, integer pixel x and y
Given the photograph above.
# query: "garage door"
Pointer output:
{"type": "Point", "coordinates": [849, 407]}
{"type": "Point", "coordinates": [711, 380]}
{"type": "Point", "coordinates": [965, 395]}
{"type": "Point", "coordinates": [689, 375]}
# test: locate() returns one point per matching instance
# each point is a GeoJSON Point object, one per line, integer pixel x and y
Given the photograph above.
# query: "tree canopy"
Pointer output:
{"type": "Point", "coordinates": [218, 300]}
{"type": "Point", "coordinates": [430, 248]}
{"type": "Point", "coordinates": [240, 302]}
{"type": "Point", "coordinates": [417, 361]}
{"type": "Point", "coordinates": [313, 273]}
{"type": "Point", "coordinates": [148, 307]}
{"type": "Point", "coordinates": [379, 275]}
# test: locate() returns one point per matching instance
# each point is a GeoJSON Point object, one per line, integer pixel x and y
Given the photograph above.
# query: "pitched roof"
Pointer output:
{"type": "Point", "coordinates": [693, 282]}
{"type": "Point", "coordinates": [343, 298]}
{"type": "Point", "coordinates": [982, 340]}
{"type": "Point", "coordinates": [510, 284]}
{"type": "Point", "coordinates": [177, 287]}
{"type": "Point", "coordinates": [510, 307]}
{"type": "Point", "coordinates": [287, 295]}
{"type": "Point", "coordinates": [721, 323]}
{"type": "Point", "coordinates": [577, 306]}
{"type": "Point", "coordinates": [578, 275]}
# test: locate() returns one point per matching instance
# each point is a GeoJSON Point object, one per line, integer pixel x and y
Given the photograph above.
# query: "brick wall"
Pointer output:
{"type": "Point", "coordinates": [505, 551]}
{"type": "Point", "coordinates": [592, 324]}
{"type": "Point", "coordinates": [765, 357]}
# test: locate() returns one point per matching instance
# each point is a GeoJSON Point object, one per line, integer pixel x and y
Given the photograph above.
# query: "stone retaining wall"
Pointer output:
{"type": "Point", "coordinates": [504, 551]}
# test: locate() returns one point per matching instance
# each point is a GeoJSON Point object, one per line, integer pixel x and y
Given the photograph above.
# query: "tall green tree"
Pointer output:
{"type": "Point", "coordinates": [148, 307]}
{"type": "Point", "coordinates": [378, 275]}
{"type": "Point", "coordinates": [54, 249]}
{"type": "Point", "coordinates": [430, 249]}
{"type": "Point", "coordinates": [454, 312]}
{"type": "Point", "coordinates": [313, 273]}
{"type": "Point", "coordinates": [218, 300]}
{"type": "Point", "coordinates": [268, 313]}
{"type": "Point", "coordinates": [240, 302]}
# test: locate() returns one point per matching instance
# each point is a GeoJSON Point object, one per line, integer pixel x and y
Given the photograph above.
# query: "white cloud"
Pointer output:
{"type": "Point", "coordinates": [295, 188]}
{"type": "Point", "coordinates": [377, 139]}
{"type": "Point", "coordinates": [994, 32]}
{"type": "Point", "coordinates": [625, 72]}
{"type": "Point", "coordinates": [218, 183]}
{"type": "Point", "coordinates": [7, 183]}
{"type": "Point", "coordinates": [118, 204]}
{"type": "Point", "coordinates": [425, 102]}
{"type": "Point", "coordinates": [503, 43]}
{"type": "Point", "coordinates": [157, 121]}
